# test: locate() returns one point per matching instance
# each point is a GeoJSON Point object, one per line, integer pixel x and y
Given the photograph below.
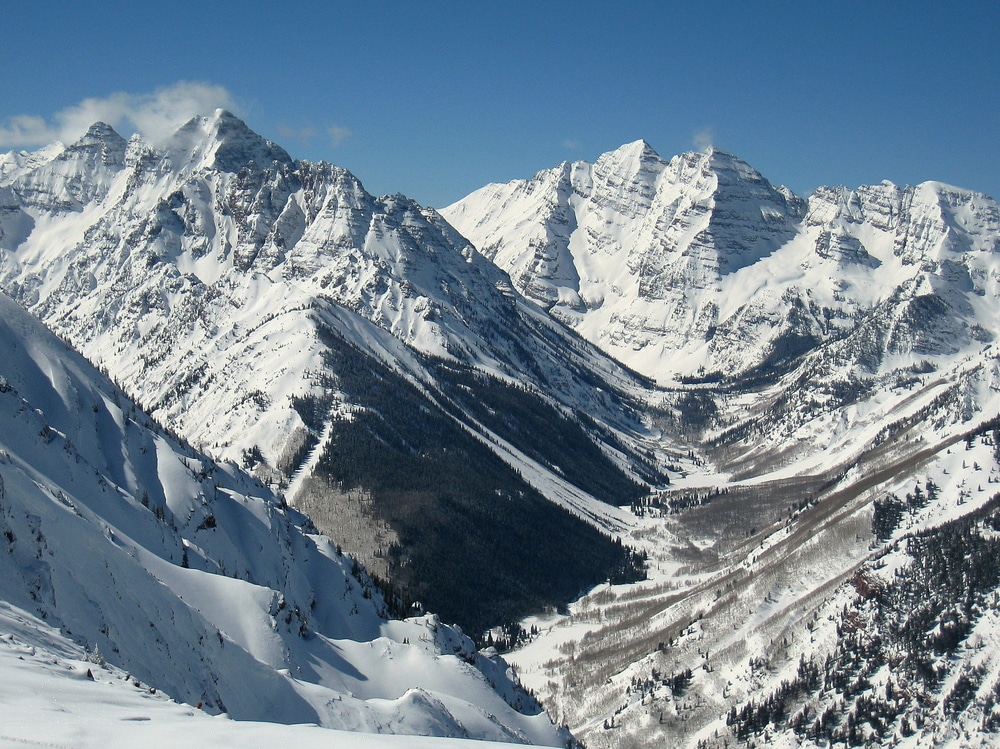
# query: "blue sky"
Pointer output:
{"type": "Point", "coordinates": [436, 99]}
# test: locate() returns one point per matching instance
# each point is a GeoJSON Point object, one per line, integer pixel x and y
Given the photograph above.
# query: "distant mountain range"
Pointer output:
{"type": "Point", "coordinates": [698, 266]}
{"type": "Point", "coordinates": [608, 372]}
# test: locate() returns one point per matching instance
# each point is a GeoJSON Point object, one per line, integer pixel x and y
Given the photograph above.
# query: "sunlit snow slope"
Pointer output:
{"type": "Point", "coordinates": [195, 580]}
{"type": "Point", "coordinates": [52, 693]}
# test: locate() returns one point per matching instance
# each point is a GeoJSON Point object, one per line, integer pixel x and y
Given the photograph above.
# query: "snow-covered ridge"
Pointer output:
{"type": "Point", "coordinates": [150, 257]}
{"type": "Point", "coordinates": [197, 581]}
{"type": "Point", "coordinates": [698, 265]}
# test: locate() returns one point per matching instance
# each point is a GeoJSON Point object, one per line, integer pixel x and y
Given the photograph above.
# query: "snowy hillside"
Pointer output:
{"type": "Point", "coordinates": [53, 694]}
{"type": "Point", "coordinates": [796, 612]}
{"type": "Point", "coordinates": [124, 547]}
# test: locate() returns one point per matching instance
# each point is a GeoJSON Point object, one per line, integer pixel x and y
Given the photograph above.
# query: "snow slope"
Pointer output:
{"type": "Point", "coordinates": [52, 693]}
{"type": "Point", "coordinates": [198, 582]}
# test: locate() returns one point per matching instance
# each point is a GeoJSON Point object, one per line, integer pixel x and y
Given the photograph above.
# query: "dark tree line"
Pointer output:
{"type": "Point", "coordinates": [539, 429]}
{"type": "Point", "coordinates": [888, 512]}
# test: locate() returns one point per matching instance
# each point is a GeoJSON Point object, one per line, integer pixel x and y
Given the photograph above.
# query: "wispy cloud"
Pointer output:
{"type": "Point", "coordinates": [155, 115]}
{"type": "Point", "coordinates": [338, 134]}
{"type": "Point", "coordinates": [303, 134]}
{"type": "Point", "coordinates": [573, 145]}
{"type": "Point", "coordinates": [703, 138]}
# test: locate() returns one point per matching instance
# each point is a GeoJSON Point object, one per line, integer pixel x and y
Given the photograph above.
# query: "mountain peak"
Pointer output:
{"type": "Point", "coordinates": [100, 141]}
{"type": "Point", "coordinates": [735, 179]}
{"type": "Point", "coordinates": [728, 164]}
{"type": "Point", "coordinates": [637, 154]}
{"type": "Point", "coordinates": [210, 123]}
{"type": "Point", "coordinates": [225, 142]}
{"type": "Point", "coordinates": [640, 147]}
{"type": "Point", "coordinates": [628, 166]}
{"type": "Point", "coordinates": [224, 114]}
{"type": "Point", "coordinates": [101, 131]}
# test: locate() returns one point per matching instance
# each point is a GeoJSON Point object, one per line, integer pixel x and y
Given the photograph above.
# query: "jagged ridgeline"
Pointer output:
{"type": "Point", "coordinates": [476, 543]}
{"type": "Point", "coordinates": [698, 267]}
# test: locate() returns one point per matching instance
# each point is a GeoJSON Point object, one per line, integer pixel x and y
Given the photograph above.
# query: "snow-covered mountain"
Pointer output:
{"type": "Point", "coordinates": [133, 562]}
{"type": "Point", "coordinates": [278, 316]}
{"type": "Point", "coordinates": [467, 426]}
{"type": "Point", "coordinates": [699, 267]}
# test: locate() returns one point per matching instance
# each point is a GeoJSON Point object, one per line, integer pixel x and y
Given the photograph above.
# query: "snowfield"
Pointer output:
{"type": "Point", "coordinates": [53, 694]}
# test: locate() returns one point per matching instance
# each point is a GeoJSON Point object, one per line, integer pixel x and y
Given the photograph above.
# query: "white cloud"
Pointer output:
{"type": "Point", "coordinates": [703, 138]}
{"type": "Point", "coordinates": [573, 145]}
{"type": "Point", "coordinates": [338, 134]}
{"type": "Point", "coordinates": [302, 134]}
{"type": "Point", "coordinates": [156, 115]}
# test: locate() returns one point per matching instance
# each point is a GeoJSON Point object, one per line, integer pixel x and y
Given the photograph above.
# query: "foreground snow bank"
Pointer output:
{"type": "Point", "coordinates": [52, 695]}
